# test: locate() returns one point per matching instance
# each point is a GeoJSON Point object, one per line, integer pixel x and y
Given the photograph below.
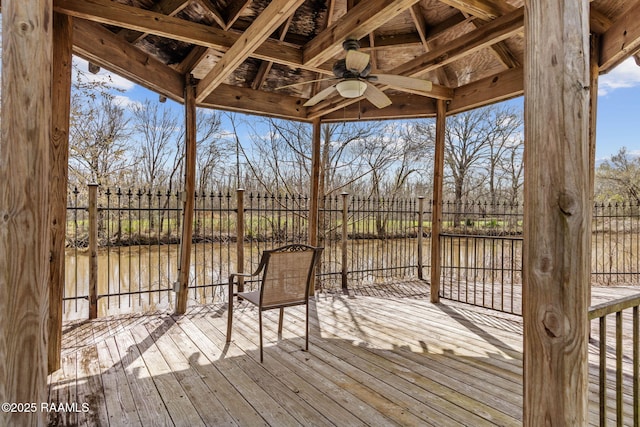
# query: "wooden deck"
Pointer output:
{"type": "Point", "coordinates": [372, 361]}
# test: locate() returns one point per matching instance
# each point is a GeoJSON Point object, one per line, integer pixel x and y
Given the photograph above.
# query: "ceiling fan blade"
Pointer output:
{"type": "Point", "coordinates": [403, 82]}
{"type": "Point", "coordinates": [324, 93]}
{"type": "Point", "coordinates": [306, 82]}
{"type": "Point", "coordinates": [376, 96]}
{"type": "Point", "coordinates": [356, 61]}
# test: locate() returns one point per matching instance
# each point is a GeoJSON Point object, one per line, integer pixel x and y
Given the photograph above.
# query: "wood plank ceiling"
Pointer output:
{"type": "Point", "coordinates": [242, 52]}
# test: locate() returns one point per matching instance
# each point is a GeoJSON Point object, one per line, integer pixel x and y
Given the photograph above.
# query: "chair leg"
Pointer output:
{"type": "Point", "coordinates": [280, 323]}
{"type": "Point", "coordinates": [307, 329]}
{"type": "Point", "coordinates": [230, 313]}
{"type": "Point", "coordinates": [260, 321]}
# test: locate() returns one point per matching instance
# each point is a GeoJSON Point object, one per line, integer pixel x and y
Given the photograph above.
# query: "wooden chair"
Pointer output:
{"type": "Point", "coordinates": [286, 279]}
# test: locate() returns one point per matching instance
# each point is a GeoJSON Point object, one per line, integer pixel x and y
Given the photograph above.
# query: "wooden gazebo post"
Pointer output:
{"type": "Point", "coordinates": [188, 195]}
{"type": "Point", "coordinates": [314, 195]}
{"type": "Point", "coordinates": [557, 221]}
{"type": "Point", "coordinates": [59, 160]}
{"type": "Point", "coordinates": [24, 211]}
{"type": "Point", "coordinates": [436, 207]}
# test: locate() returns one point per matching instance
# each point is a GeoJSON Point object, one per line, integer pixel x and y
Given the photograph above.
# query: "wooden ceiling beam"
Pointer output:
{"type": "Point", "coordinates": [402, 107]}
{"type": "Point", "coordinates": [415, 39]}
{"type": "Point", "coordinates": [164, 7]}
{"type": "Point", "coordinates": [621, 40]}
{"type": "Point", "coordinates": [217, 16]}
{"type": "Point", "coordinates": [500, 87]}
{"type": "Point", "coordinates": [598, 21]}
{"type": "Point", "coordinates": [95, 43]}
{"type": "Point", "coordinates": [485, 36]}
{"type": "Point", "coordinates": [501, 51]}
{"type": "Point", "coordinates": [100, 46]}
{"type": "Point", "coordinates": [486, 10]}
{"type": "Point", "coordinates": [265, 23]}
{"type": "Point", "coordinates": [193, 58]}
{"type": "Point", "coordinates": [505, 56]}
{"type": "Point", "coordinates": [265, 66]}
{"type": "Point", "coordinates": [423, 30]}
{"type": "Point", "coordinates": [364, 18]}
{"type": "Point", "coordinates": [246, 100]}
{"type": "Point", "coordinates": [489, 34]}
{"type": "Point", "coordinates": [111, 13]}
{"type": "Point", "coordinates": [233, 12]}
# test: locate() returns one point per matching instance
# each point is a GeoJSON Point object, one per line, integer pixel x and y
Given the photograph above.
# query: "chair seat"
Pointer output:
{"type": "Point", "coordinates": [286, 280]}
{"type": "Point", "coordinates": [252, 297]}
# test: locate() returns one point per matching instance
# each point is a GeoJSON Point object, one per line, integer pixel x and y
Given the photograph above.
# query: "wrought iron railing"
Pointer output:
{"type": "Point", "coordinates": [617, 347]}
{"type": "Point", "coordinates": [367, 242]}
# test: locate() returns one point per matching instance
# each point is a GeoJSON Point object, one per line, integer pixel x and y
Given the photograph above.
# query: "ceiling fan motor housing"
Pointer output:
{"type": "Point", "coordinates": [341, 72]}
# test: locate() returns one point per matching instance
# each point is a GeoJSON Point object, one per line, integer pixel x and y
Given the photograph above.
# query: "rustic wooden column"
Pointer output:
{"type": "Point", "coordinates": [189, 195]}
{"type": "Point", "coordinates": [59, 165]}
{"type": "Point", "coordinates": [594, 72]}
{"type": "Point", "coordinates": [557, 222]}
{"type": "Point", "coordinates": [24, 199]}
{"type": "Point", "coordinates": [314, 195]}
{"type": "Point", "coordinates": [436, 208]}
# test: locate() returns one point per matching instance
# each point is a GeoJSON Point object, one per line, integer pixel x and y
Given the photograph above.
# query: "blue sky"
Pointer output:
{"type": "Point", "coordinates": [618, 106]}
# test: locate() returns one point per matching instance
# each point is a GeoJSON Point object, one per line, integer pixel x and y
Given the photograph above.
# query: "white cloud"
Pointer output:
{"type": "Point", "coordinates": [103, 76]}
{"type": "Point", "coordinates": [624, 75]}
{"type": "Point", "coordinates": [125, 102]}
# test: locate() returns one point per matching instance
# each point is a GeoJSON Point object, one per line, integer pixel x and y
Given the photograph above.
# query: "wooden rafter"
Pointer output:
{"type": "Point", "coordinates": [487, 35]}
{"type": "Point", "coordinates": [423, 30]}
{"type": "Point", "coordinates": [501, 51]}
{"type": "Point", "coordinates": [192, 59]}
{"type": "Point", "coordinates": [502, 86]}
{"type": "Point", "coordinates": [211, 8]}
{"type": "Point", "coordinates": [486, 10]}
{"type": "Point", "coordinates": [111, 13]}
{"type": "Point", "coordinates": [621, 40]}
{"type": "Point", "coordinates": [357, 23]}
{"type": "Point", "coordinates": [97, 44]}
{"type": "Point", "coordinates": [164, 7]}
{"type": "Point", "coordinates": [495, 31]}
{"type": "Point", "coordinates": [233, 11]}
{"type": "Point", "coordinates": [266, 23]}
{"type": "Point", "coordinates": [265, 66]}
{"type": "Point", "coordinates": [245, 100]}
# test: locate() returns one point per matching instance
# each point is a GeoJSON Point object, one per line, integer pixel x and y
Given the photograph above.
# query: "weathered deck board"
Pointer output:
{"type": "Point", "coordinates": [372, 361]}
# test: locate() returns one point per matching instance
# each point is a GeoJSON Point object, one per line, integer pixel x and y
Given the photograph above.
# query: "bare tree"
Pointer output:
{"type": "Point", "coordinates": [156, 128]}
{"type": "Point", "coordinates": [619, 177]}
{"type": "Point", "coordinates": [512, 164]}
{"type": "Point", "coordinates": [98, 139]}
{"type": "Point", "coordinates": [280, 156]}
{"type": "Point", "coordinates": [212, 148]}
{"type": "Point", "coordinates": [505, 140]}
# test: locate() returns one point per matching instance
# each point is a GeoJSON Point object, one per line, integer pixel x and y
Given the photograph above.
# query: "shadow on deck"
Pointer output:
{"type": "Point", "coordinates": [372, 361]}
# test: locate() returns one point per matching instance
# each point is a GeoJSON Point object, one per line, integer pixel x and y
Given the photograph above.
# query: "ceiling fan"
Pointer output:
{"type": "Point", "coordinates": [354, 79]}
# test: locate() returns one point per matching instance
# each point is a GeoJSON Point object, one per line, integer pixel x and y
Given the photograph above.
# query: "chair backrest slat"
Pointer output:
{"type": "Point", "coordinates": [287, 275]}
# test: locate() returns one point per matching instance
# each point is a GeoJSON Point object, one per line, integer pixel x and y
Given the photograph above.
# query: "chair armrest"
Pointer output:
{"type": "Point", "coordinates": [240, 275]}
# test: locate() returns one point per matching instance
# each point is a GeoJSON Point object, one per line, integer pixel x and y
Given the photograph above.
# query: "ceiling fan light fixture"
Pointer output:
{"type": "Point", "coordinates": [352, 88]}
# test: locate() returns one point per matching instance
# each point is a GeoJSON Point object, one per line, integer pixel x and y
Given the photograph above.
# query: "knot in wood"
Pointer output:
{"type": "Point", "coordinates": [554, 322]}
{"type": "Point", "coordinates": [567, 204]}
{"type": "Point", "coordinates": [25, 27]}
